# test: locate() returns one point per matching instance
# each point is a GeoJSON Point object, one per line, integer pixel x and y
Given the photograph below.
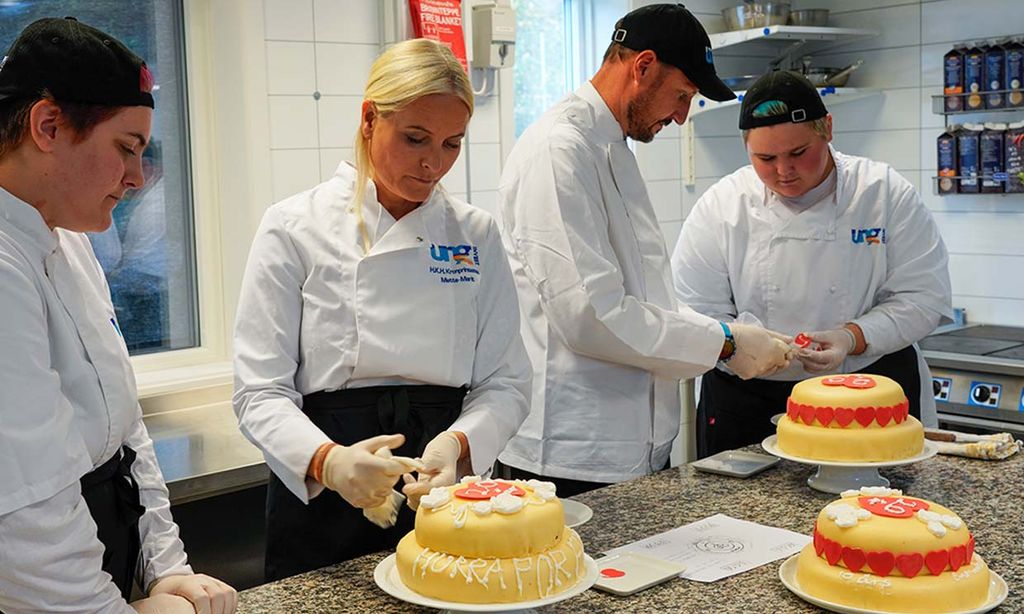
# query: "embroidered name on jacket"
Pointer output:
{"type": "Point", "coordinates": [868, 235]}
{"type": "Point", "coordinates": [461, 260]}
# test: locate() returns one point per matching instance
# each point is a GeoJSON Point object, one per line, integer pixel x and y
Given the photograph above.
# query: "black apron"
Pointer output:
{"type": "Point", "coordinates": [112, 496]}
{"type": "Point", "coordinates": [733, 413]}
{"type": "Point", "coordinates": [328, 530]}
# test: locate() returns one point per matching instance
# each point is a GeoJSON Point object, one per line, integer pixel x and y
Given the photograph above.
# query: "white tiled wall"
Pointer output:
{"type": "Point", "coordinates": [326, 47]}
{"type": "Point", "coordinates": [897, 126]}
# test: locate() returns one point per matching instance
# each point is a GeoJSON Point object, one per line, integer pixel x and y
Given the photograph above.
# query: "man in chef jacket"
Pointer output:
{"type": "Point", "coordinates": [606, 337]}
{"type": "Point", "coordinates": [84, 513]}
{"type": "Point", "coordinates": [807, 239]}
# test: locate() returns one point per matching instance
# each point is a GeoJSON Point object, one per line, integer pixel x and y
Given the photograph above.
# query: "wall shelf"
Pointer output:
{"type": "Point", "coordinates": [830, 95]}
{"type": "Point", "coordinates": [783, 33]}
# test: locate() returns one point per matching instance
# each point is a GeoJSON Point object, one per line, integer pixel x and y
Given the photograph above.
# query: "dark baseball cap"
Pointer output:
{"type": "Point", "coordinates": [780, 97]}
{"type": "Point", "coordinates": [677, 38]}
{"type": "Point", "coordinates": [76, 63]}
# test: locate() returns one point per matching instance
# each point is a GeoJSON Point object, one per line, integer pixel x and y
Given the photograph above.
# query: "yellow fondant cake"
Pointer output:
{"type": "Point", "coordinates": [851, 418]}
{"type": "Point", "coordinates": [491, 541]}
{"type": "Point", "coordinates": [875, 549]}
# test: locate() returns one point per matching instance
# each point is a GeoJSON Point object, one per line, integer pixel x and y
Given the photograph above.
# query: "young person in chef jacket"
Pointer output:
{"type": "Point", "coordinates": [608, 341]}
{"type": "Point", "coordinates": [84, 511]}
{"type": "Point", "coordinates": [377, 311]}
{"type": "Point", "coordinates": [807, 239]}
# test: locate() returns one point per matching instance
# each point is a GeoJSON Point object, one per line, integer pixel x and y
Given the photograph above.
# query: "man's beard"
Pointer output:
{"type": "Point", "coordinates": [639, 127]}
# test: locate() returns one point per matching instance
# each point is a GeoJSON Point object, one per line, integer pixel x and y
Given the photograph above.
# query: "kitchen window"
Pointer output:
{"type": "Point", "coordinates": [148, 254]}
{"type": "Point", "coordinates": [559, 45]}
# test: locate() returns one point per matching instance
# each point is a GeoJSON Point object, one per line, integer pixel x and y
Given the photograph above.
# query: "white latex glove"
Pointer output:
{"type": "Point", "coordinates": [440, 461]}
{"type": "Point", "coordinates": [835, 346]}
{"type": "Point", "coordinates": [759, 351]}
{"type": "Point", "coordinates": [207, 595]}
{"type": "Point", "coordinates": [358, 475]}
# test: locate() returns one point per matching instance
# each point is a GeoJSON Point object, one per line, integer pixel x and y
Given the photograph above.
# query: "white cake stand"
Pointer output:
{"type": "Point", "coordinates": [835, 476]}
{"type": "Point", "coordinates": [387, 578]}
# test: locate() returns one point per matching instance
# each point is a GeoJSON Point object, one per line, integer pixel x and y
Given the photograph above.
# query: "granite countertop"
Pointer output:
{"type": "Point", "coordinates": [986, 494]}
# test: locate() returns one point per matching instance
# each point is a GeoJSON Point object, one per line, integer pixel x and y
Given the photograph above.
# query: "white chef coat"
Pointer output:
{"type": "Point", "coordinates": [869, 253]}
{"type": "Point", "coordinates": [68, 402]}
{"type": "Point", "coordinates": [606, 337]}
{"type": "Point", "coordinates": [433, 302]}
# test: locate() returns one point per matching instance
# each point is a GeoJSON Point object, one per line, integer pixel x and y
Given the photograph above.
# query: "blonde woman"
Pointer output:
{"type": "Point", "coordinates": [377, 311]}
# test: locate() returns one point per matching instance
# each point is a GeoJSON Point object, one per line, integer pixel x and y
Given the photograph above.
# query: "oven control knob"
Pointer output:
{"type": "Point", "coordinates": [936, 387]}
{"type": "Point", "coordinates": [981, 393]}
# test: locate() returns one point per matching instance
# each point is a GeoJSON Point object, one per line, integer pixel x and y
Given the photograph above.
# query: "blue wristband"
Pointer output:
{"type": "Point", "coordinates": [729, 347]}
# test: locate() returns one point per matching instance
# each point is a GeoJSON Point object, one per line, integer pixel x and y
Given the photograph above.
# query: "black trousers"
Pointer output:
{"type": "Point", "coordinates": [328, 530]}
{"type": "Point", "coordinates": [112, 496]}
{"type": "Point", "coordinates": [733, 413]}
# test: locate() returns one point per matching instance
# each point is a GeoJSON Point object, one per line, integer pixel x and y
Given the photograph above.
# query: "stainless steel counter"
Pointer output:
{"type": "Point", "coordinates": [202, 453]}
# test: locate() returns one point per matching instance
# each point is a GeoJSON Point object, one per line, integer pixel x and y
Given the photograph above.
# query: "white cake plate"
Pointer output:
{"type": "Point", "coordinates": [997, 592]}
{"type": "Point", "coordinates": [835, 476]}
{"type": "Point", "coordinates": [387, 578]}
{"type": "Point", "coordinates": [576, 513]}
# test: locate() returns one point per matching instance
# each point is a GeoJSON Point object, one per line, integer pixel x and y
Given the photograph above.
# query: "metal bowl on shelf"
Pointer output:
{"type": "Point", "coordinates": [756, 15]}
{"type": "Point", "coordinates": [824, 76]}
{"type": "Point", "coordinates": [809, 17]}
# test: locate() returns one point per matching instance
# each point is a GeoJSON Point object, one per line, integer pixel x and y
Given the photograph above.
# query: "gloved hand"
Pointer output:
{"type": "Point", "coordinates": [207, 595]}
{"type": "Point", "coordinates": [835, 347]}
{"type": "Point", "coordinates": [759, 351]}
{"type": "Point", "coordinates": [358, 475]}
{"type": "Point", "coordinates": [440, 461]}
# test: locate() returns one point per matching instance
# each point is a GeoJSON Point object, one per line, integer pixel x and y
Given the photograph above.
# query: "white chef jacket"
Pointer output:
{"type": "Point", "coordinates": [870, 253]}
{"type": "Point", "coordinates": [607, 340]}
{"type": "Point", "coordinates": [433, 302]}
{"type": "Point", "coordinates": [68, 402]}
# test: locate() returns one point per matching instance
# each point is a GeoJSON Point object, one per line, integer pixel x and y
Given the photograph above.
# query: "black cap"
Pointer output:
{"type": "Point", "coordinates": [677, 38]}
{"type": "Point", "coordinates": [785, 91]}
{"type": "Point", "coordinates": [75, 63]}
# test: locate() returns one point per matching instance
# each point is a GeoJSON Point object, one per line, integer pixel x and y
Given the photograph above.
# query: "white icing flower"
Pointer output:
{"type": "Point", "coordinates": [469, 479]}
{"type": "Point", "coordinates": [872, 491]}
{"type": "Point", "coordinates": [482, 508]}
{"type": "Point", "coordinates": [544, 490]}
{"type": "Point", "coordinates": [952, 521]}
{"type": "Point", "coordinates": [507, 503]}
{"type": "Point", "coordinates": [936, 529]}
{"type": "Point", "coordinates": [436, 498]}
{"type": "Point", "coordinates": [926, 516]}
{"type": "Point", "coordinates": [846, 515]}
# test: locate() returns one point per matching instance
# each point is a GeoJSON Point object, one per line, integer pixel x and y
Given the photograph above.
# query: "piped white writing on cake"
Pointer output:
{"type": "Point", "coordinates": [880, 584]}
{"type": "Point", "coordinates": [549, 571]}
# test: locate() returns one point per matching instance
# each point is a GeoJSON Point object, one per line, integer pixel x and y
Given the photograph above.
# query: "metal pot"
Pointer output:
{"type": "Point", "coordinates": [824, 76]}
{"type": "Point", "coordinates": [755, 15]}
{"type": "Point", "coordinates": [809, 17]}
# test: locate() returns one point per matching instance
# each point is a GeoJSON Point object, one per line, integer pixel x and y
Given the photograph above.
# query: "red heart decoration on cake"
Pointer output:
{"type": "Point", "coordinates": [893, 507]}
{"type": "Point", "coordinates": [611, 572]}
{"type": "Point", "coordinates": [854, 558]}
{"type": "Point", "coordinates": [819, 543]}
{"type": "Point", "coordinates": [957, 557]}
{"type": "Point", "coordinates": [793, 411]}
{"type": "Point", "coordinates": [832, 552]}
{"type": "Point", "coordinates": [883, 415]}
{"type": "Point", "coordinates": [807, 414]}
{"type": "Point", "coordinates": [970, 549]}
{"type": "Point", "coordinates": [865, 415]}
{"type": "Point", "coordinates": [844, 416]}
{"type": "Point", "coordinates": [486, 489]}
{"type": "Point", "coordinates": [825, 415]}
{"type": "Point", "coordinates": [936, 560]}
{"type": "Point", "coordinates": [881, 562]}
{"type": "Point", "coordinates": [909, 564]}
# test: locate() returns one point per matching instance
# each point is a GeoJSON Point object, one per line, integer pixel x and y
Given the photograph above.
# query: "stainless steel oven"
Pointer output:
{"type": "Point", "coordinates": [978, 378]}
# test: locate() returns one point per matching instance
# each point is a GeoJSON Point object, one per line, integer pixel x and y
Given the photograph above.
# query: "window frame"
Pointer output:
{"type": "Point", "coordinates": [225, 72]}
